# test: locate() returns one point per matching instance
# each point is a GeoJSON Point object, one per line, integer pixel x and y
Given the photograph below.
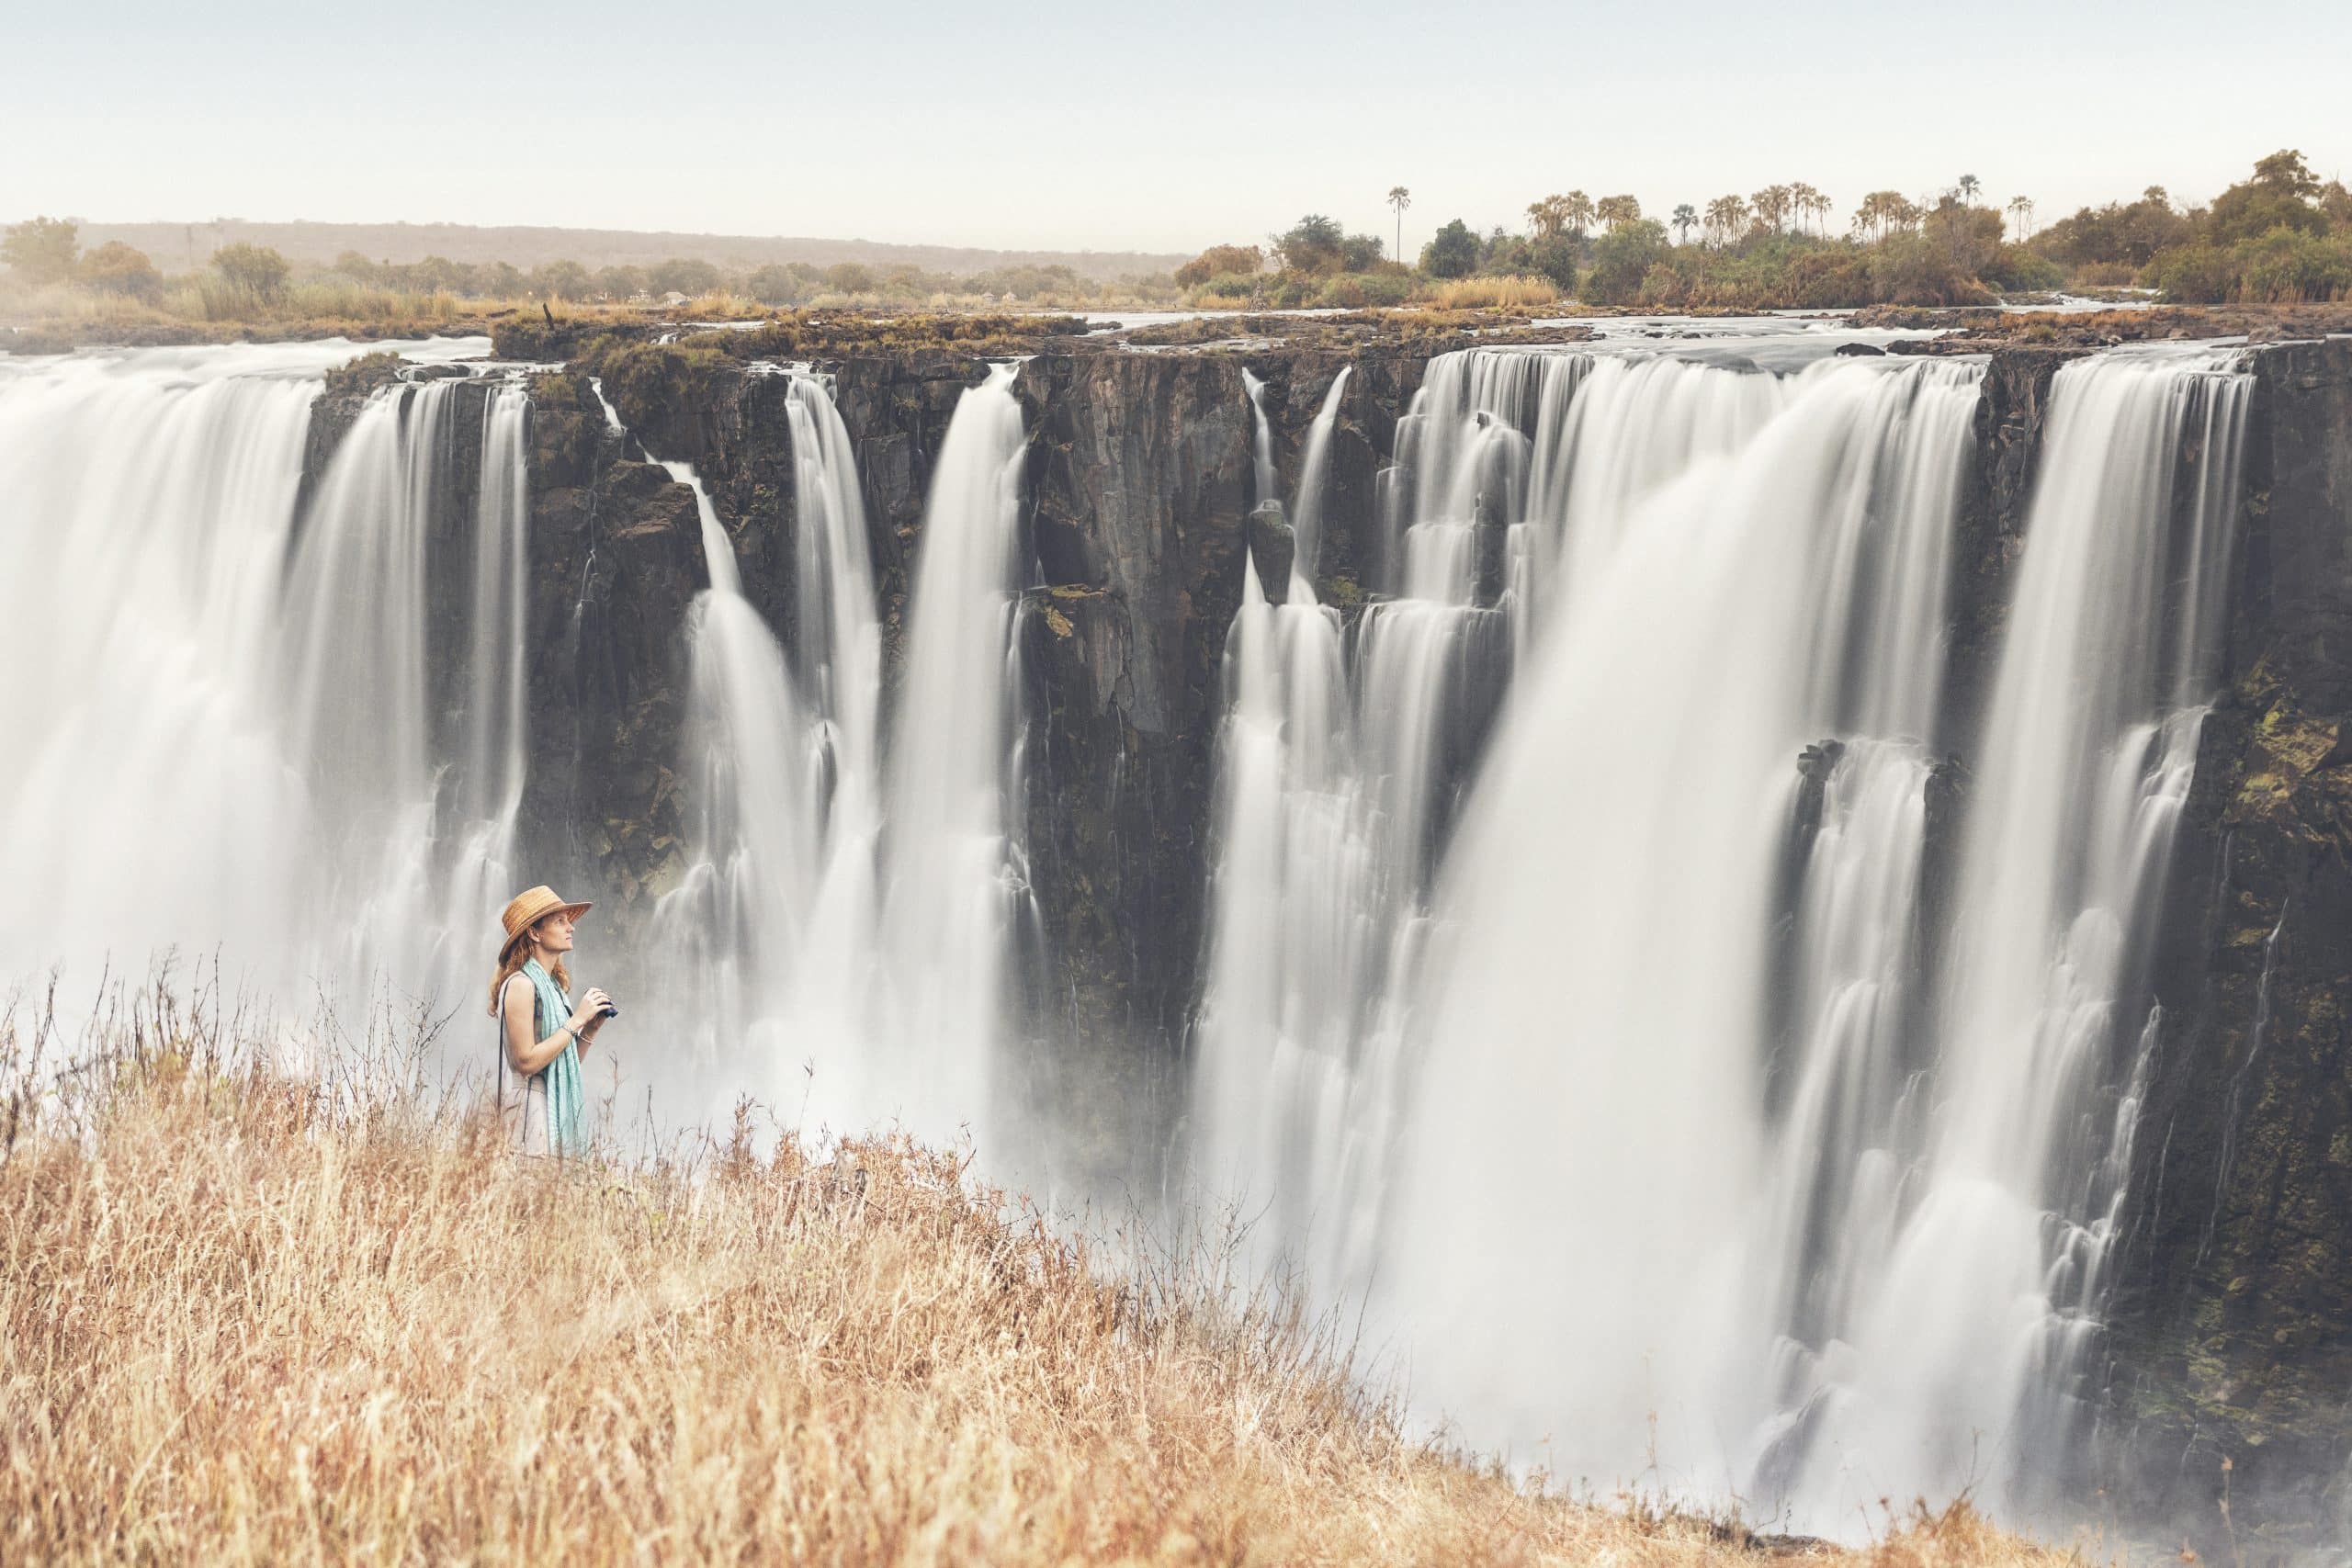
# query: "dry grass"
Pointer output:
{"type": "Point", "coordinates": [1493, 293]}
{"type": "Point", "coordinates": [249, 1320]}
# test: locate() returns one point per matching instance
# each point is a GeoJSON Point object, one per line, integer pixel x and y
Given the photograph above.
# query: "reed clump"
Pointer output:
{"type": "Point", "coordinates": [257, 1318]}
{"type": "Point", "coordinates": [1494, 293]}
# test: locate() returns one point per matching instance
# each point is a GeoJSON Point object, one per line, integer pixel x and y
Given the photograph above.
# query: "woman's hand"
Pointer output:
{"type": "Point", "coordinates": [589, 1014]}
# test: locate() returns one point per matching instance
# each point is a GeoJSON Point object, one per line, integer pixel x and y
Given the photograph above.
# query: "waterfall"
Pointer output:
{"type": "Point", "coordinates": [736, 923]}
{"type": "Point", "coordinates": [1291, 965]}
{"type": "Point", "coordinates": [1966, 1340]}
{"type": "Point", "coordinates": [483, 868]}
{"type": "Point", "coordinates": [847, 921]}
{"type": "Point", "coordinates": [1654, 1093]}
{"type": "Point", "coordinates": [956, 873]}
{"type": "Point", "coordinates": [1650, 1131]}
{"type": "Point", "coordinates": [1314, 465]}
{"type": "Point", "coordinates": [239, 713]}
{"type": "Point", "coordinates": [1265, 487]}
{"type": "Point", "coordinates": [149, 505]}
{"type": "Point", "coordinates": [1591, 1048]}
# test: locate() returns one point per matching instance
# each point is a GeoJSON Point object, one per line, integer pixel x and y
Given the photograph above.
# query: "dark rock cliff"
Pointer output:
{"type": "Point", "coordinates": [2233, 1316]}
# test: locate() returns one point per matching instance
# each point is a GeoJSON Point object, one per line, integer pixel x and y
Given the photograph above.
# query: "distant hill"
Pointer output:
{"type": "Point", "coordinates": [175, 246]}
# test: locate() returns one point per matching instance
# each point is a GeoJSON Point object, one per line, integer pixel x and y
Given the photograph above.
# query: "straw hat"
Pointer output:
{"type": "Point", "coordinates": [527, 908]}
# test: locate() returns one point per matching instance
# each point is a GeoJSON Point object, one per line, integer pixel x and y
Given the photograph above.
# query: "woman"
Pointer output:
{"type": "Point", "coordinates": [540, 1034]}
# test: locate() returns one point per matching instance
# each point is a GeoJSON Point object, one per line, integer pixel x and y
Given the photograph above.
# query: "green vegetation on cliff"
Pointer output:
{"type": "Point", "coordinates": [2282, 236]}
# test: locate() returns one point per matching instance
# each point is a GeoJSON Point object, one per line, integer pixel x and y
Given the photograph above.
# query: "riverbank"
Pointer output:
{"type": "Point", "coordinates": [533, 333]}
{"type": "Point", "coordinates": [258, 1320]}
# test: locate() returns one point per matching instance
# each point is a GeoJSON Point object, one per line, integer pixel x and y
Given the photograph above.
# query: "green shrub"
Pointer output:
{"type": "Point", "coordinates": [1221, 260]}
{"type": "Point", "coordinates": [1452, 252]}
{"type": "Point", "coordinates": [1342, 292]}
{"type": "Point", "coordinates": [1623, 257]}
{"type": "Point", "coordinates": [1912, 269]}
{"type": "Point", "coordinates": [2020, 270]}
{"type": "Point", "coordinates": [2200, 274]}
{"type": "Point", "coordinates": [2287, 266]}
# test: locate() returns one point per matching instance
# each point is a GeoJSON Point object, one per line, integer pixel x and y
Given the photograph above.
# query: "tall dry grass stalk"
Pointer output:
{"type": "Point", "coordinates": [248, 1319]}
{"type": "Point", "coordinates": [1493, 293]}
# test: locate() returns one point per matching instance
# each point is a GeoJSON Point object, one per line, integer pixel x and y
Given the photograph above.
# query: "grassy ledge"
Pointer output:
{"type": "Point", "coordinates": [257, 1320]}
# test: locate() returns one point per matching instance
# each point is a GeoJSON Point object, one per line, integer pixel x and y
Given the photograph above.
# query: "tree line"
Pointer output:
{"type": "Point", "coordinates": [2281, 235]}
{"type": "Point", "coordinates": [239, 280]}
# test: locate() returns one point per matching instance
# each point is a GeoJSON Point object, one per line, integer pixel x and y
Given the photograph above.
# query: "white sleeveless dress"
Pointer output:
{"type": "Point", "coordinates": [521, 1097]}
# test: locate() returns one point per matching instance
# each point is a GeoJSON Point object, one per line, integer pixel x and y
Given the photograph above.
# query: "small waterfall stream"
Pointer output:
{"type": "Point", "coordinates": [957, 877]}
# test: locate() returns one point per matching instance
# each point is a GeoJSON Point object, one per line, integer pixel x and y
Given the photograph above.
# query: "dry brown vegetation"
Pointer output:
{"type": "Point", "coordinates": [255, 1320]}
{"type": "Point", "coordinates": [1509, 292]}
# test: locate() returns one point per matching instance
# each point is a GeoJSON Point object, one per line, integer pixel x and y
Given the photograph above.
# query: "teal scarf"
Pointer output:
{"type": "Point", "coordinates": [564, 1135]}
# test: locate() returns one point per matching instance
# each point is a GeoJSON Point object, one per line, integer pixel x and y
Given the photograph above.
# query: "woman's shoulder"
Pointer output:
{"type": "Point", "coordinates": [517, 985]}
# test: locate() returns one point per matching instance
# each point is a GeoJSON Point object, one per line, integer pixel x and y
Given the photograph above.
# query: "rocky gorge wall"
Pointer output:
{"type": "Point", "coordinates": [2232, 1322]}
{"type": "Point", "coordinates": [2234, 1311]}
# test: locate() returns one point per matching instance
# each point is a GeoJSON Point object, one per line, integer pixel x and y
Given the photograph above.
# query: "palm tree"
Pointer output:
{"type": "Point", "coordinates": [1968, 186]}
{"type": "Point", "coordinates": [1686, 218]}
{"type": "Point", "coordinates": [1579, 210]}
{"type": "Point", "coordinates": [1884, 211]}
{"type": "Point", "coordinates": [1771, 205]}
{"type": "Point", "coordinates": [2021, 208]}
{"type": "Point", "coordinates": [1400, 199]}
{"type": "Point", "coordinates": [1550, 216]}
{"type": "Point", "coordinates": [1870, 218]}
{"type": "Point", "coordinates": [1806, 200]}
{"type": "Point", "coordinates": [1615, 209]}
{"type": "Point", "coordinates": [1799, 203]}
{"type": "Point", "coordinates": [1726, 216]}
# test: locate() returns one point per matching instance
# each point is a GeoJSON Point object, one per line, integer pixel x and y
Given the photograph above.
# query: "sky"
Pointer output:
{"type": "Point", "coordinates": [1104, 126]}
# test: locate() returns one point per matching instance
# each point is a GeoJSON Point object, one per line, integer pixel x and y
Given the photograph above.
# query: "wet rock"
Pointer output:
{"type": "Point", "coordinates": [1273, 548]}
{"type": "Point", "coordinates": [2233, 1317]}
{"type": "Point", "coordinates": [2012, 415]}
{"type": "Point", "coordinates": [1491, 539]}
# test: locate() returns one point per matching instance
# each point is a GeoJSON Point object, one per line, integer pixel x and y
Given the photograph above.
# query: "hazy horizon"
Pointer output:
{"type": "Point", "coordinates": [1112, 129]}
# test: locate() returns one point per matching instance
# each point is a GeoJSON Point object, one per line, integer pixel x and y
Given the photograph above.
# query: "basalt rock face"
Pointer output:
{"type": "Point", "coordinates": [2234, 1318]}
{"type": "Point", "coordinates": [2012, 413]}
{"type": "Point", "coordinates": [616, 560]}
{"type": "Point", "coordinates": [1348, 563]}
{"type": "Point", "coordinates": [1140, 474]}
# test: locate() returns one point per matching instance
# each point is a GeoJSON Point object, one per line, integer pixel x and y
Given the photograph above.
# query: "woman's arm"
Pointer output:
{"type": "Point", "coordinates": [591, 1016]}
{"type": "Point", "coordinates": [525, 1054]}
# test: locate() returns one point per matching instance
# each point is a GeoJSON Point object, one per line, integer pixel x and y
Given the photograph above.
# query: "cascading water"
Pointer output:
{"type": "Point", "coordinates": [736, 921]}
{"type": "Point", "coordinates": [1964, 1345]}
{"type": "Point", "coordinates": [957, 877]}
{"type": "Point", "coordinates": [852, 911]}
{"type": "Point", "coordinates": [1290, 959]}
{"type": "Point", "coordinates": [1339, 756]}
{"type": "Point", "coordinates": [148, 507]}
{"type": "Point", "coordinates": [238, 706]}
{"type": "Point", "coordinates": [1671, 1117]}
